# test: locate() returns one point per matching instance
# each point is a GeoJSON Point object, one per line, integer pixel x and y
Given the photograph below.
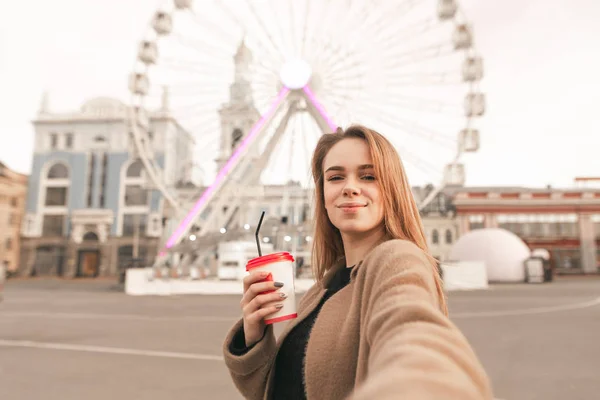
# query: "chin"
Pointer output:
{"type": "Point", "coordinates": [353, 228]}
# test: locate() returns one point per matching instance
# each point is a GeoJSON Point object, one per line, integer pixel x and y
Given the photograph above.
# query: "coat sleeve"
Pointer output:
{"type": "Point", "coordinates": [250, 370]}
{"type": "Point", "coordinates": [415, 351]}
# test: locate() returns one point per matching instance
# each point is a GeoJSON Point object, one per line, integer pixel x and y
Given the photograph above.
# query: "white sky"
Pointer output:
{"type": "Point", "coordinates": [542, 82]}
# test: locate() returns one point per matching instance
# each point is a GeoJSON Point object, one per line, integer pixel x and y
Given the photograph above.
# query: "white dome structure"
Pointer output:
{"type": "Point", "coordinates": [503, 253]}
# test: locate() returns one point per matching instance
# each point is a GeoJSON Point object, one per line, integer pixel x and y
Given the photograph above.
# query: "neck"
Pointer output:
{"type": "Point", "coordinates": [356, 246]}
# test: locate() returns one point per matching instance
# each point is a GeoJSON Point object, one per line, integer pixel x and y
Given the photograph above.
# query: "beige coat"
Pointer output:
{"type": "Point", "coordinates": [380, 337]}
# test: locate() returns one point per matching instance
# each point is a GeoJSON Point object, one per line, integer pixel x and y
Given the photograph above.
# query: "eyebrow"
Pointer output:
{"type": "Point", "coordinates": [340, 168]}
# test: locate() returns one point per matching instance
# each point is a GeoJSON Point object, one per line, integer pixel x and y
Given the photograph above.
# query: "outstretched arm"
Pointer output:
{"type": "Point", "coordinates": [416, 352]}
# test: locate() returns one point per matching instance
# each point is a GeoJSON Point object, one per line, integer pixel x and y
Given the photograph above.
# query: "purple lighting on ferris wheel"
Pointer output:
{"type": "Point", "coordinates": [311, 96]}
{"type": "Point", "coordinates": [223, 173]}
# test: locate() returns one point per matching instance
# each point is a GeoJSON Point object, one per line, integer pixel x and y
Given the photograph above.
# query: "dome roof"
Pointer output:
{"type": "Point", "coordinates": [503, 252]}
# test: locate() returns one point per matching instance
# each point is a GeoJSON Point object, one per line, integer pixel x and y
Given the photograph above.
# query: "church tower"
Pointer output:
{"type": "Point", "coordinates": [239, 114]}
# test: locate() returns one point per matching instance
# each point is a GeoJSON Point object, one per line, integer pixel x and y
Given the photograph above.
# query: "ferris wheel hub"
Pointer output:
{"type": "Point", "coordinates": [295, 74]}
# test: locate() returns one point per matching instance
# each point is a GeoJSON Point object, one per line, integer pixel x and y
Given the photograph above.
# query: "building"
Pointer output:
{"type": "Point", "coordinates": [565, 222]}
{"type": "Point", "coordinates": [439, 220]}
{"type": "Point", "coordinates": [90, 208]}
{"type": "Point", "coordinates": [13, 188]}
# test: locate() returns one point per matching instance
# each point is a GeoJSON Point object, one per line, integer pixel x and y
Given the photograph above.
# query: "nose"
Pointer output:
{"type": "Point", "coordinates": [351, 189]}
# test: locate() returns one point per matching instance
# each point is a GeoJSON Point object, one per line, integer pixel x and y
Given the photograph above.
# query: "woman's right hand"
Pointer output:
{"type": "Point", "coordinates": [257, 306]}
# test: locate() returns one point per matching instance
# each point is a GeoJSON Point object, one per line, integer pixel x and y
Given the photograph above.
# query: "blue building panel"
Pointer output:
{"type": "Point", "coordinates": [77, 164]}
{"type": "Point", "coordinates": [78, 169]}
{"type": "Point", "coordinates": [115, 164]}
{"type": "Point", "coordinates": [96, 182]}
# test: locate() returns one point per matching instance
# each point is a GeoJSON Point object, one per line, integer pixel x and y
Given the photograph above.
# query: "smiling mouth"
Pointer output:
{"type": "Point", "coordinates": [352, 206]}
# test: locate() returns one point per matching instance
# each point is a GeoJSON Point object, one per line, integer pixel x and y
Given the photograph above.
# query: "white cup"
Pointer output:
{"type": "Point", "coordinates": [281, 269]}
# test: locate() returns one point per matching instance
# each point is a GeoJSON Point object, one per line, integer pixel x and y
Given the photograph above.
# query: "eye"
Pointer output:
{"type": "Point", "coordinates": [334, 178]}
{"type": "Point", "coordinates": [368, 177]}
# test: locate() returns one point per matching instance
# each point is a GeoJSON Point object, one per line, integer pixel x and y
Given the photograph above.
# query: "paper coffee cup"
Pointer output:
{"type": "Point", "coordinates": [281, 269]}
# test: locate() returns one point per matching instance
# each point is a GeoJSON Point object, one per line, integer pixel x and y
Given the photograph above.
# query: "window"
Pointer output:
{"type": "Point", "coordinates": [103, 180]}
{"type": "Point", "coordinates": [8, 244]}
{"type": "Point", "coordinates": [90, 237]}
{"type": "Point", "coordinates": [11, 219]}
{"type": "Point", "coordinates": [53, 225]}
{"type": "Point", "coordinates": [435, 237]}
{"type": "Point", "coordinates": [92, 168]}
{"type": "Point", "coordinates": [14, 202]}
{"type": "Point", "coordinates": [56, 196]}
{"type": "Point", "coordinates": [53, 140]}
{"type": "Point", "coordinates": [135, 195]}
{"type": "Point", "coordinates": [58, 171]}
{"type": "Point", "coordinates": [236, 137]}
{"type": "Point", "coordinates": [448, 236]}
{"type": "Point", "coordinates": [131, 221]}
{"type": "Point", "coordinates": [476, 222]}
{"type": "Point", "coordinates": [69, 140]}
{"type": "Point", "coordinates": [135, 170]}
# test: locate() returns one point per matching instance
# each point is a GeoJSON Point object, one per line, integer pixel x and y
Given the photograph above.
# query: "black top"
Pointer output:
{"type": "Point", "coordinates": [289, 365]}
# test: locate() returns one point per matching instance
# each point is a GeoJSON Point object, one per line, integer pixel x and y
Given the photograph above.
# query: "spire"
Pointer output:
{"type": "Point", "coordinates": [44, 103]}
{"type": "Point", "coordinates": [243, 55]}
{"type": "Point", "coordinates": [165, 106]}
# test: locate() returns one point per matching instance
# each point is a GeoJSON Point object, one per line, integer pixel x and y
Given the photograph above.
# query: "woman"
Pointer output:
{"type": "Point", "coordinates": [374, 326]}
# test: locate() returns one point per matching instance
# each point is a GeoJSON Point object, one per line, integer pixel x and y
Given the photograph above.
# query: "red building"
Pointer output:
{"type": "Point", "coordinates": [566, 222]}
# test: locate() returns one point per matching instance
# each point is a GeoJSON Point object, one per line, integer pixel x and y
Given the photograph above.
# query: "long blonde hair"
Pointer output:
{"type": "Point", "coordinates": [401, 214]}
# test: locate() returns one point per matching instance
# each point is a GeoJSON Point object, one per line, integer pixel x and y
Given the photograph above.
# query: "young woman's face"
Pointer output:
{"type": "Point", "coordinates": [352, 196]}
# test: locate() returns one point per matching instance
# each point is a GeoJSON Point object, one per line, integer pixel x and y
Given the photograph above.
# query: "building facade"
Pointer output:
{"type": "Point", "coordinates": [13, 189]}
{"type": "Point", "coordinates": [90, 207]}
{"type": "Point", "coordinates": [564, 222]}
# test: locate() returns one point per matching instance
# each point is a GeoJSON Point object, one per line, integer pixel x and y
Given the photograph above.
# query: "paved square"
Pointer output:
{"type": "Point", "coordinates": [87, 340]}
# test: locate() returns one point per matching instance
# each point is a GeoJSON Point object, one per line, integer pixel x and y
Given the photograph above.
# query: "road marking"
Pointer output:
{"type": "Point", "coordinates": [527, 311]}
{"type": "Point", "coordinates": [107, 350]}
{"type": "Point", "coordinates": [129, 317]}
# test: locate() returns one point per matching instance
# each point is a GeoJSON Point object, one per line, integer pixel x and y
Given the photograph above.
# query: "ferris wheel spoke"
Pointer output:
{"type": "Point", "coordinates": [374, 17]}
{"type": "Point", "coordinates": [346, 91]}
{"type": "Point", "coordinates": [198, 69]}
{"type": "Point", "coordinates": [417, 56]}
{"type": "Point", "coordinates": [270, 71]}
{"type": "Point", "coordinates": [421, 104]}
{"type": "Point", "coordinates": [420, 162]}
{"type": "Point", "coordinates": [186, 86]}
{"type": "Point", "coordinates": [392, 36]}
{"type": "Point", "coordinates": [411, 128]}
{"type": "Point", "coordinates": [317, 33]}
{"type": "Point", "coordinates": [266, 50]}
{"type": "Point", "coordinates": [277, 22]}
{"type": "Point", "coordinates": [346, 63]}
{"type": "Point", "coordinates": [305, 27]}
{"type": "Point", "coordinates": [206, 64]}
{"type": "Point", "coordinates": [214, 28]}
{"type": "Point", "coordinates": [265, 30]}
{"type": "Point", "coordinates": [198, 44]}
{"type": "Point", "coordinates": [424, 79]}
{"type": "Point", "coordinates": [354, 81]}
{"type": "Point", "coordinates": [351, 65]}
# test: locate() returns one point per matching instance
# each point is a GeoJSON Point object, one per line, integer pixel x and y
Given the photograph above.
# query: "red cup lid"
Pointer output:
{"type": "Point", "coordinates": [268, 259]}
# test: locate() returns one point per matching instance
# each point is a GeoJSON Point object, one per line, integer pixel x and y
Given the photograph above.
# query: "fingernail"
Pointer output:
{"type": "Point", "coordinates": [279, 306]}
{"type": "Point", "coordinates": [278, 284]}
{"type": "Point", "coordinates": [282, 295]}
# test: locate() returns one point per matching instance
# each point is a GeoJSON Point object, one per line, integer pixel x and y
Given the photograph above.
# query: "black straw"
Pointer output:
{"type": "Point", "coordinates": [256, 234]}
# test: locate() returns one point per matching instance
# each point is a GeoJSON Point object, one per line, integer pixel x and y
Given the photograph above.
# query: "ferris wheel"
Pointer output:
{"type": "Point", "coordinates": [287, 71]}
